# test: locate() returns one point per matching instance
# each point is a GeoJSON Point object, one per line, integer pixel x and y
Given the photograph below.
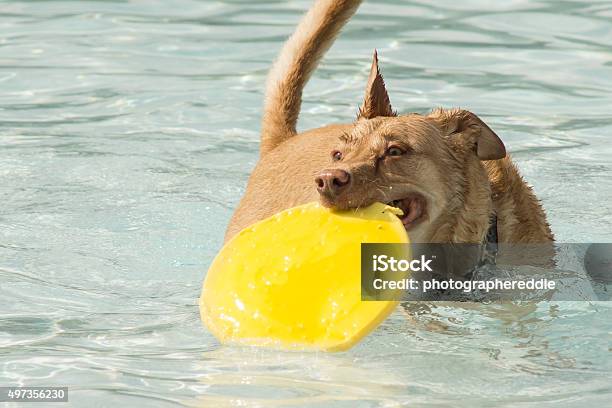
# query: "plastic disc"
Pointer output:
{"type": "Point", "coordinates": [293, 280]}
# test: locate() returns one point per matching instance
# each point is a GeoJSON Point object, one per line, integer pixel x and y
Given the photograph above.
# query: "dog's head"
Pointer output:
{"type": "Point", "coordinates": [427, 165]}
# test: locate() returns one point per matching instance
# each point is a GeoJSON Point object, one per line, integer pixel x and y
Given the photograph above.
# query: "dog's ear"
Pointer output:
{"type": "Point", "coordinates": [471, 129]}
{"type": "Point", "coordinates": [376, 101]}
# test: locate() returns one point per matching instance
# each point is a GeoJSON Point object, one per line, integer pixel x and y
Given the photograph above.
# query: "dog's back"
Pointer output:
{"type": "Point", "coordinates": [277, 182]}
{"type": "Point", "coordinates": [283, 179]}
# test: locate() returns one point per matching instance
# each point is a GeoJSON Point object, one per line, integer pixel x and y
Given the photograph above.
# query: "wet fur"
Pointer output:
{"type": "Point", "coordinates": [452, 162]}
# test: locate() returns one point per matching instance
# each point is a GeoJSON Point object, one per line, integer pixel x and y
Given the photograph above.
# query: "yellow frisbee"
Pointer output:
{"type": "Point", "coordinates": [293, 280]}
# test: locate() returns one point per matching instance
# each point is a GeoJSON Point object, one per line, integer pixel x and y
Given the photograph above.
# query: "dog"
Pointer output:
{"type": "Point", "coordinates": [446, 170]}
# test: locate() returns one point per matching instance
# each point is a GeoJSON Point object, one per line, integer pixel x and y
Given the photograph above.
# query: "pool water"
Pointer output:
{"type": "Point", "coordinates": [128, 131]}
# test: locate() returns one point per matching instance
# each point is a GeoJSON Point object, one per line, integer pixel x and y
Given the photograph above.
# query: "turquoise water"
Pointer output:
{"type": "Point", "coordinates": [128, 131]}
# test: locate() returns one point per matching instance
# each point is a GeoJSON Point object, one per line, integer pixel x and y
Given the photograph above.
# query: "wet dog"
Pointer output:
{"type": "Point", "coordinates": [447, 170]}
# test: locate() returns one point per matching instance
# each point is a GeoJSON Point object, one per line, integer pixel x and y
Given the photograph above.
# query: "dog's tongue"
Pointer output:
{"type": "Point", "coordinates": [412, 209]}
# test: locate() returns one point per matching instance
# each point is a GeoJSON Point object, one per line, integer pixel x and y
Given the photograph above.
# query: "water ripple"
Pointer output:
{"type": "Point", "coordinates": [128, 132]}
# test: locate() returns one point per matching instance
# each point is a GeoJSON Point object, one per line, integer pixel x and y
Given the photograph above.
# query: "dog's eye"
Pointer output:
{"type": "Point", "coordinates": [394, 151]}
{"type": "Point", "coordinates": [336, 155]}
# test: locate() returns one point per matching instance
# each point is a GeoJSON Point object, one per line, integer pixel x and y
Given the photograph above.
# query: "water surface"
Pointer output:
{"type": "Point", "coordinates": [128, 131]}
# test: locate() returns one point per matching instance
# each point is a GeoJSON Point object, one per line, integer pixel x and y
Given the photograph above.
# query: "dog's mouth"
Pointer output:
{"type": "Point", "coordinates": [414, 207]}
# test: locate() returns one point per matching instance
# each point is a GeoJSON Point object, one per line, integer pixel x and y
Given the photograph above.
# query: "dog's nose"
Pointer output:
{"type": "Point", "coordinates": [332, 181]}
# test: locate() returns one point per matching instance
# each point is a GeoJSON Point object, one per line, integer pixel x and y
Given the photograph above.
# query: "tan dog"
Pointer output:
{"type": "Point", "coordinates": [447, 170]}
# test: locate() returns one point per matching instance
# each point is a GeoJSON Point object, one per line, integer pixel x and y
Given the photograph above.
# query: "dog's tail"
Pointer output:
{"type": "Point", "coordinates": [298, 58]}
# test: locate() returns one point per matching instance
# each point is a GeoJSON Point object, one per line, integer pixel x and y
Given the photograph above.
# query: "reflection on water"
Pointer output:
{"type": "Point", "coordinates": [128, 131]}
{"type": "Point", "coordinates": [280, 379]}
